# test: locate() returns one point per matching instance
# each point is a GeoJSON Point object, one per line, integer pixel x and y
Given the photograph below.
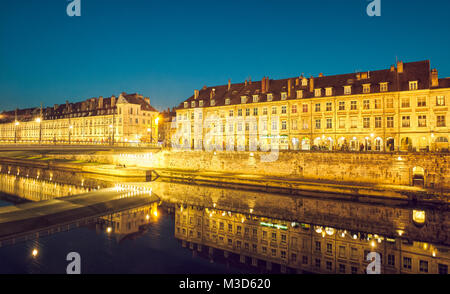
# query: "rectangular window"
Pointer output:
{"type": "Point", "coordinates": [378, 122]}
{"type": "Point", "coordinates": [283, 125]}
{"type": "Point", "coordinates": [255, 98]}
{"type": "Point", "coordinates": [230, 113]}
{"type": "Point", "coordinates": [391, 259]}
{"type": "Point", "coordinates": [329, 123]}
{"type": "Point", "coordinates": [239, 112]}
{"type": "Point", "coordinates": [269, 97]}
{"type": "Point", "coordinates": [341, 251]}
{"type": "Point", "coordinates": [305, 124]}
{"type": "Point", "coordinates": [377, 103]}
{"type": "Point", "coordinates": [274, 125]}
{"type": "Point", "coordinates": [421, 101]}
{"type": "Point", "coordinates": [305, 107]}
{"type": "Point", "coordinates": [413, 86]}
{"type": "Point", "coordinates": [342, 268]}
{"type": "Point", "coordinates": [423, 266]}
{"type": "Point", "coordinates": [390, 122]}
{"type": "Point", "coordinates": [317, 107]}
{"type": "Point", "coordinates": [342, 122]}
{"type": "Point", "coordinates": [265, 111]}
{"type": "Point", "coordinates": [366, 88]}
{"type": "Point", "coordinates": [353, 105]}
{"type": "Point", "coordinates": [329, 91]}
{"type": "Point", "coordinates": [329, 106]}
{"type": "Point", "coordinates": [389, 103]}
{"type": "Point", "coordinates": [274, 110]}
{"type": "Point", "coordinates": [422, 121]}
{"type": "Point", "coordinates": [354, 122]}
{"type": "Point", "coordinates": [318, 124]}
{"type": "Point", "coordinates": [406, 121]}
{"type": "Point", "coordinates": [294, 108]}
{"type": "Point", "coordinates": [347, 90]}
{"type": "Point", "coordinates": [255, 111]}
{"type": "Point", "coordinates": [341, 105]}
{"type": "Point", "coordinates": [299, 94]}
{"type": "Point", "coordinates": [247, 112]}
{"type": "Point", "coordinates": [329, 248]}
{"type": "Point", "coordinates": [366, 122]}
{"type": "Point", "coordinates": [383, 87]}
{"type": "Point", "coordinates": [440, 101]}
{"type": "Point", "coordinates": [443, 269]}
{"type": "Point", "coordinates": [294, 124]}
{"type": "Point", "coordinates": [283, 96]}
{"type": "Point", "coordinates": [329, 265]}
{"type": "Point", "coordinates": [366, 104]}
{"type": "Point", "coordinates": [405, 103]}
{"type": "Point", "coordinates": [440, 121]}
{"type": "Point", "coordinates": [407, 263]}
{"type": "Point", "coordinates": [283, 109]}
{"type": "Point", "coordinates": [317, 92]}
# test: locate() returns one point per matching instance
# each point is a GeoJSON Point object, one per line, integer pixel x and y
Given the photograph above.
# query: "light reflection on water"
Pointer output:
{"type": "Point", "coordinates": [155, 252]}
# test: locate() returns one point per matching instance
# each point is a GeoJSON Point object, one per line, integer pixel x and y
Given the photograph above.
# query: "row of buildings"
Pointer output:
{"type": "Point", "coordinates": [404, 107]}
{"type": "Point", "coordinates": [128, 118]}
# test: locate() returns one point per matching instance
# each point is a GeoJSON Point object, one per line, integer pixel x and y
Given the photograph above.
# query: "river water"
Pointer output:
{"type": "Point", "coordinates": [197, 229]}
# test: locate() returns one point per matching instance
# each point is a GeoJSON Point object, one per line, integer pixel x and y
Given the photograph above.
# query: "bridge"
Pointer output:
{"type": "Point", "coordinates": [35, 219]}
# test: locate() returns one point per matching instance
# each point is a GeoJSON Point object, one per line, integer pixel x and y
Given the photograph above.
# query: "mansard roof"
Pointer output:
{"type": "Point", "coordinates": [89, 107]}
{"type": "Point", "coordinates": [397, 81]}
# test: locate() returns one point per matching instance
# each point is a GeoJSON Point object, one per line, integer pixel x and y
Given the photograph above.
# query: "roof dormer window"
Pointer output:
{"type": "Point", "coordinates": [366, 88]}
{"type": "Point", "coordinates": [269, 97]}
{"type": "Point", "coordinates": [200, 103]}
{"type": "Point", "coordinates": [383, 87]}
{"type": "Point", "coordinates": [227, 101]}
{"type": "Point", "coordinates": [318, 92]}
{"type": "Point", "coordinates": [304, 82]}
{"type": "Point", "coordinates": [283, 96]}
{"type": "Point", "coordinates": [329, 91]}
{"type": "Point", "coordinates": [243, 99]}
{"type": "Point", "coordinates": [299, 94]}
{"type": "Point", "coordinates": [413, 85]}
{"type": "Point", "coordinates": [186, 105]}
{"type": "Point", "coordinates": [213, 102]}
{"type": "Point", "coordinates": [347, 90]}
{"type": "Point", "coordinates": [255, 98]}
{"type": "Point", "coordinates": [192, 103]}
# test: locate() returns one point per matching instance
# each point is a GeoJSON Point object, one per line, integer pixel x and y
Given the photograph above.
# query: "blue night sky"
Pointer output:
{"type": "Point", "coordinates": [166, 49]}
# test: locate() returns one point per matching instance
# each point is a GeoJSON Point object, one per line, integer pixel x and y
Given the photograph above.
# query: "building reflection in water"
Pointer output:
{"type": "Point", "coordinates": [300, 247]}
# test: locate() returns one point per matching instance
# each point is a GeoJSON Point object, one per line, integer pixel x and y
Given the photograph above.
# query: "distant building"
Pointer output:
{"type": "Point", "coordinates": [167, 126]}
{"type": "Point", "coordinates": [404, 107]}
{"type": "Point", "coordinates": [128, 118]}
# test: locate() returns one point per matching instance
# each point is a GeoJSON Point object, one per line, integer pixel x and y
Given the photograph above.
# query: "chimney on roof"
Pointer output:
{"type": "Point", "coordinates": [246, 83]}
{"type": "Point", "coordinates": [434, 78]}
{"type": "Point", "coordinates": [392, 68]}
{"type": "Point", "coordinates": [297, 81]}
{"type": "Point", "coordinates": [250, 80]}
{"type": "Point", "coordinates": [55, 106]}
{"type": "Point", "coordinates": [358, 76]}
{"type": "Point", "coordinates": [267, 84]}
{"type": "Point", "coordinates": [311, 84]}
{"type": "Point", "coordinates": [321, 75]}
{"type": "Point", "coordinates": [400, 67]}
{"type": "Point", "coordinates": [100, 102]}
{"type": "Point", "coordinates": [263, 85]}
{"type": "Point", "coordinates": [195, 94]}
{"type": "Point", "coordinates": [113, 101]}
{"type": "Point", "coordinates": [204, 87]}
{"type": "Point", "coordinates": [147, 100]}
{"type": "Point", "coordinates": [289, 87]}
{"type": "Point", "coordinates": [229, 84]}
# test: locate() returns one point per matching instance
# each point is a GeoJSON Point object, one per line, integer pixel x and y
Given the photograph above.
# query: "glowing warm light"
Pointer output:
{"type": "Point", "coordinates": [419, 216]}
{"type": "Point", "coordinates": [399, 158]}
{"type": "Point", "coordinates": [147, 217]}
{"type": "Point", "coordinates": [434, 253]}
{"type": "Point", "coordinates": [214, 205]}
{"type": "Point", "coordinates": [108, 229]}
{"type": "Point", "coordinates": [38, 120]}
{"type": "Point", "coordinates": [155, 213]}
{"type": "Point", "coordinates": [400, 232]}
{"type": "Point", "coordinates": [330, 231]}
{"type": "Point", "coordinates": [318, 230]}
{"type": "Point", "coordinates": [372, 135]}
{"type": "Point", "coordinates": [17, 123]}
{"type": "Point", "coordinates": [251, 210]}
{"type": "Point", "coordinates": [34, 252]}
{"type": "Point", "coordinates": [149, 130]}
{"type": "Point", "coordinates": [70, 127]}
{"type": "Point", "coordinates": [355, 236]}
{"type": "Point", "coordinates": [372, 244]}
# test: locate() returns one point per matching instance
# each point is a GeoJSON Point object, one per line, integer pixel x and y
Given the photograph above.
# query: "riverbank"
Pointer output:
{"type": "Point", "coordinates": [292, 185]}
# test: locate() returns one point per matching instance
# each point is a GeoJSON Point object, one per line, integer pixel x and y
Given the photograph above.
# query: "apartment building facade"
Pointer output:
{"type": "Point", "coordinates": [402, 108]}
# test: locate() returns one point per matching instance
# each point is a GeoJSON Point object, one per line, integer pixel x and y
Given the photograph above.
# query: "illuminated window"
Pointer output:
{"type": "Point", "coordinates": [413, 85]}
{"type": "Point", "coordinates": [347, 90]}
{"type": "Point", "coordinates": [383, 87]}
{"type": "Point", "coordinates": [317, 92]}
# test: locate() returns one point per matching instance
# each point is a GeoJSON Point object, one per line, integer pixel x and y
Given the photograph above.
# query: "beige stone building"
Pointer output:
{"type": "Point", "coordinates": [263, 241]}
{"type": "Point", "coordinates": [404, 107]}
{"type": "Point", "coordinates": [128, 118]}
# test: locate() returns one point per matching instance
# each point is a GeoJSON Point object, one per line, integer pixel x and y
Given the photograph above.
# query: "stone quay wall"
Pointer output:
{"type": "Point", "coordinates": [370, 168]}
